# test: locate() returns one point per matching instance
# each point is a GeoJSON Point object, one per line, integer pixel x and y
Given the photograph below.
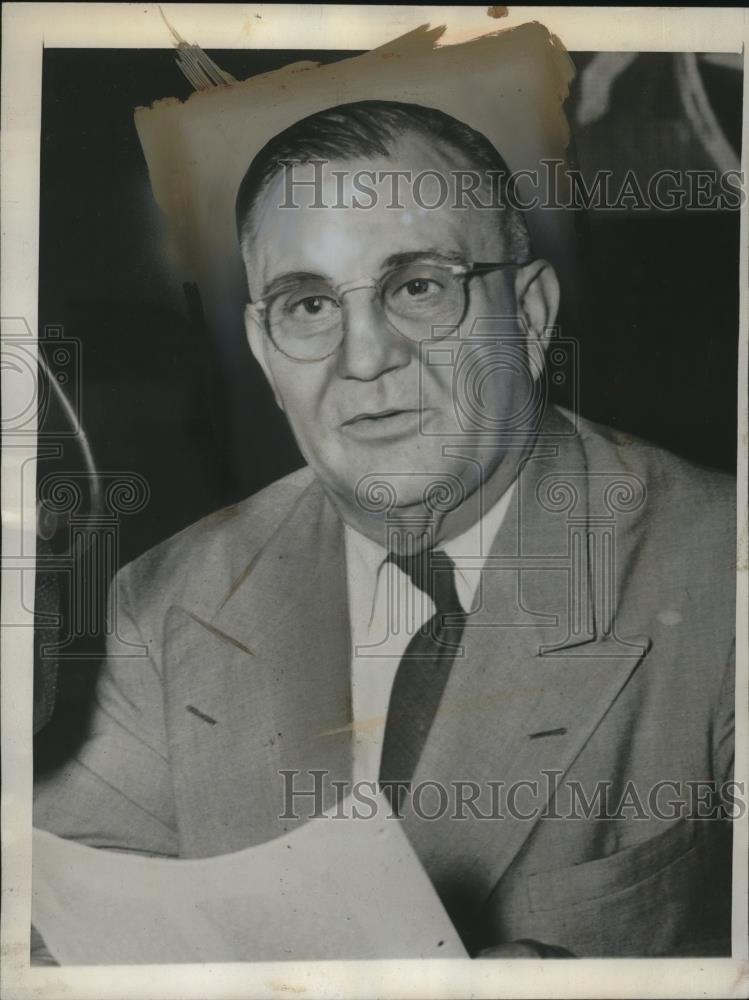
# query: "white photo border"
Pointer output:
{"type": "Point", "coordinates": [28, 28]}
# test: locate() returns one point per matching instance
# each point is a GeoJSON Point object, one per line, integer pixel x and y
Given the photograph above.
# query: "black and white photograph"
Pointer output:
{"type": "Point", "coordinates": [375, 551]}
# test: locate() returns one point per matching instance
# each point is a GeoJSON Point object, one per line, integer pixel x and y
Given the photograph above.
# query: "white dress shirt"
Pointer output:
{"type": "Point", "coordinates": [386, 610]}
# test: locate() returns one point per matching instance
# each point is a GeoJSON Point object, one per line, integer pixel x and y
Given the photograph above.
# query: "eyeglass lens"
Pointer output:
{"type": "Point", "coordinates": [306, 320]}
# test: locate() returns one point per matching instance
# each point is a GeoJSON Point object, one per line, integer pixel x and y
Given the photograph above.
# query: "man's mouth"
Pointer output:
{"type": "Point", "coordinates": [379, 416]}
{"type": "Point", "coordinates": [381, 425]}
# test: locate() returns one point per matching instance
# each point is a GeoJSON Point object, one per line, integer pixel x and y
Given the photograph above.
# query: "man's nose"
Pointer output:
{"type": "Point", "coordinates": [371, 347]}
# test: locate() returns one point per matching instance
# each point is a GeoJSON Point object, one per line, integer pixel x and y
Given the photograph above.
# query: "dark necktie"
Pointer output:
{"type": "Point", "coordinates": [424, 667]}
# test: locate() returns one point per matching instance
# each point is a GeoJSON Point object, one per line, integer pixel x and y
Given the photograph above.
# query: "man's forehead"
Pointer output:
{"type": "Point", "coordinates": [318, 216]}
{"type": "Point", "coordinates": [349, 244]}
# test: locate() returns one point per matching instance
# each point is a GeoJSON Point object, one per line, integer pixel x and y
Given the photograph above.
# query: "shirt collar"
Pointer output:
{"type": "Point", "coordinates": [366, 559]}
{"type": "Point", "coordinates": [470, 550]}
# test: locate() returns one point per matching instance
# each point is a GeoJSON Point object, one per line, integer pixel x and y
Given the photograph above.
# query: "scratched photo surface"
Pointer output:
{"type": "Point", "coordinates": [506, 632]}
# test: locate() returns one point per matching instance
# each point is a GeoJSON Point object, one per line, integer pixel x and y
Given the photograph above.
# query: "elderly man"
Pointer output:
{"type": "Point", "coordinates": [518, 625]}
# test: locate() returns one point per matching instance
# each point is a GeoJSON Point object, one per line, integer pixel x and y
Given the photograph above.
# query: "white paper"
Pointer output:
{"type": "Point", "coordinates": [332, 889]}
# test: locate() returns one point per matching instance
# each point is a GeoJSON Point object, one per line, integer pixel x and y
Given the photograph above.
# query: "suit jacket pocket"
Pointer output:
{"type": "Point", "coordinates": [668, 895]}
{"type": "Point", "coordinates": [590, 880]}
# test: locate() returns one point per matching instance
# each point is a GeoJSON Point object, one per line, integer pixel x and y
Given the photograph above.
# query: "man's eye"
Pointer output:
{"type": "Point", "coordinates": [420, 286]}
{"type": "Point", "coordinates": [312, 305]}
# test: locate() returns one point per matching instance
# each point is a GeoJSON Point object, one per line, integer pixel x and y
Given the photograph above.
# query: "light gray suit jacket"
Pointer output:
{"type": "Point", "coordinates": [240, 667]}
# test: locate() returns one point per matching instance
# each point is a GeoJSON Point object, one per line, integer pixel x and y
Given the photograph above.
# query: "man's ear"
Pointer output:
{"type": "Point", "coordinates": [537, 297]}
{"type": "Point", "coordinates": [258, 340]}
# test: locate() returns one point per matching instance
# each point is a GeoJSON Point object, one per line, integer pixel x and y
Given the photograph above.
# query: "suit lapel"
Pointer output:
{"type": "Point", "coordinates": [533, 684]}
{"type": "Point", "coordinates": [262, 687]}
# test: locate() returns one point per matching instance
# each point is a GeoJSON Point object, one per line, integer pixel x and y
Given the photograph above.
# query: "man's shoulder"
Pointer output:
{"type": "Point", "coordinates": [194, 564]}
{"type": "Point", "coordinates": [669, 482]}
{"type": "Point", "coordinates": [675, 521]}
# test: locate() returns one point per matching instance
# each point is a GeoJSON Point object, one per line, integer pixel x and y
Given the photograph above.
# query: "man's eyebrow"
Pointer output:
{"type": "Point", "coordinates": [283, 281]}
{"type": "Point", "coordinates": [415, 256]}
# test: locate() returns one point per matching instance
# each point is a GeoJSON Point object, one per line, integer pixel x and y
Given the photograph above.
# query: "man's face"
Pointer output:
{"type": "Point", "coordinates": [376, 405]}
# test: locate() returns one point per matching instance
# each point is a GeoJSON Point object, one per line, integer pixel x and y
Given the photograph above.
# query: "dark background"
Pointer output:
{"type": "Point", "coordinates": [657, 324]}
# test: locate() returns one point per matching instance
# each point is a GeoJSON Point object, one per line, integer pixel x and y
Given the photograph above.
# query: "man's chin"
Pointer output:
{"type": "Point", "coordinates": [406, 488]}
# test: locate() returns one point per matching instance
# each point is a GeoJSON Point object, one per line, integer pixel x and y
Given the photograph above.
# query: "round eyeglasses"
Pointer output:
{"type": "Point", "coordinates": [304, 317]}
